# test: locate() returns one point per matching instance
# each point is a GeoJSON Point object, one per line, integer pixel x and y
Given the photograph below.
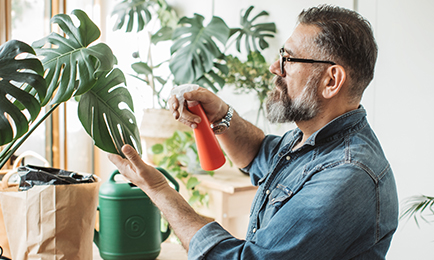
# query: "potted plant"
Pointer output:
{"type": "Point", "coordinates": [70, 67]}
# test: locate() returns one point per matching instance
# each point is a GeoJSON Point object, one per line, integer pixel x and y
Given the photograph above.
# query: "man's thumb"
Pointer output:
{"type": "Point", "coordinates": [131, 154]}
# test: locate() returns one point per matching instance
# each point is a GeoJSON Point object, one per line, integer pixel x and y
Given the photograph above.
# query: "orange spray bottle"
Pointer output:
{"type": "Point", "coordinates": [211, 156]}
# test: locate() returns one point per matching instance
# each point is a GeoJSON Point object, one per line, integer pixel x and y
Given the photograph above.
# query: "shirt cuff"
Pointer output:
{"type": "Point", "coordinates": [205, 239]}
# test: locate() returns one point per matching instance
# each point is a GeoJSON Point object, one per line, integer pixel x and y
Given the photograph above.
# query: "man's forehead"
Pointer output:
{"type": "Point", "coordinates": [300, 39]}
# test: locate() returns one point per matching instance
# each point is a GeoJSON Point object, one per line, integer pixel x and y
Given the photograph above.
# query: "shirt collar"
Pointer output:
{"type": "Point", "coordinates": [338, 127]}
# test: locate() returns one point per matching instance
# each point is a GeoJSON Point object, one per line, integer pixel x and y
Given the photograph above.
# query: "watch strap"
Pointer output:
{"type": "Point", "coordinates": [225, 122]}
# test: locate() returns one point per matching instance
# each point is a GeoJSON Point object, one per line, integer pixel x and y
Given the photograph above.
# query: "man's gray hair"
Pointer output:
{"type": "Point", "coordinates": [347, 39]}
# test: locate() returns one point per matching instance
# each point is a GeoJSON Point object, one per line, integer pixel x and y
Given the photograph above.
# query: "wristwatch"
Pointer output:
{"type": "Point", "coordinates": [222, 125]}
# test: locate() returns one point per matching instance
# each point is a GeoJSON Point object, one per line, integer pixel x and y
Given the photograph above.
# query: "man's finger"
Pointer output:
{"type": "Point", "coordinates": [133, 156]}
{"type": "Point", "coordinates": [115, 159]}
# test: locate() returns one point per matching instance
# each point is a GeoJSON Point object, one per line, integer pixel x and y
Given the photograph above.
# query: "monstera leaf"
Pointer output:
{"type": "Point", "coordinates": [71, 66]}
{"type": "Point", "coordinates": [101, 115]}
{"type": "Point", "coordinates": [195, 48]}
{"type": "Point", "coordinates": [128, 10]}
{"type": "Point", "coordinates": [15, 99]}
{"type": "Point", "coordinates": [253, 33]}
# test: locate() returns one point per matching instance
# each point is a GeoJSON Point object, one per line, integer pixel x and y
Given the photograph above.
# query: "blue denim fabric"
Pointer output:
{"type": "Point", "coordinates": [333, 198]}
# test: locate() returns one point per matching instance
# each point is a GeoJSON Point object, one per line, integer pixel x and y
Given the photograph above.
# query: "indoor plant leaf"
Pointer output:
{"type": "Point", "coordinates": [164, 34]}
{"type": "Point", "coordinates": [73, 67]}
{"type": "Point", "coordinates": [252, 33]}
{"type": "Point", "coordinates": [195, 48]}
{"type": "Point", "coordinates": [141, 68]}
{"type": "Point", "coordinates": [27, 73]}
{"type": "Point", "coordinates": [128, 10]}
{"type": "Point", "coordinates": [101, 113]}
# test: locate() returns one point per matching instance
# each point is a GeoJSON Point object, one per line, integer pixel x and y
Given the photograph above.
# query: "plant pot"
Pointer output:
{"type": "Point", "coordinates": [157, 125]}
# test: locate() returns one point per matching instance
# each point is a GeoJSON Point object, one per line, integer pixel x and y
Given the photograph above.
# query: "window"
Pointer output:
{"type": "Point", "coordinates": [62, 139]}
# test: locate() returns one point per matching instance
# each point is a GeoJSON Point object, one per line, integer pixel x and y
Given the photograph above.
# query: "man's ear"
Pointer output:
{"type": "Point", "coordinates": [334, 80]}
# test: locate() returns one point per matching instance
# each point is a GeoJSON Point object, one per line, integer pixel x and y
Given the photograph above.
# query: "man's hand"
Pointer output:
{"type": "Point", "coordinates": [138, 172]}
{"type": "Point", "coordinates": [184, 221]}
{"type": "Point", "coordinates": [215, 108]}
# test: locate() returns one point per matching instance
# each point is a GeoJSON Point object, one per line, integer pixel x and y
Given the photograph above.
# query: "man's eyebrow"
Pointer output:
{"type": "Point", "coordinates": [290, 53]}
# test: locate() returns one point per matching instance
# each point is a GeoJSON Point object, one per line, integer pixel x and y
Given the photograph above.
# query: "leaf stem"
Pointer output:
{"type": "Point", "coordinates": [13, 146]}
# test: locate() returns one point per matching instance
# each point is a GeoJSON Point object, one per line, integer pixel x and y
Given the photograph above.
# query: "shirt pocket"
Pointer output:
{"type": "Point", "coordinates": [276, 200]}
{"type": "Point", "coordinates": [279, 195]}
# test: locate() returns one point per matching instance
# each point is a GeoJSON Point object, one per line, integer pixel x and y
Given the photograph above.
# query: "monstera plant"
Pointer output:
{"type": "Point", "coordinates": [56, 69]}
{"type": "Point", "coordinates": [198, 50]}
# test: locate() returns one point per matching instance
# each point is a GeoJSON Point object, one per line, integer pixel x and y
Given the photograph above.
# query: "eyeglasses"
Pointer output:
{"type": "Point", "coordinates": [283, 59]}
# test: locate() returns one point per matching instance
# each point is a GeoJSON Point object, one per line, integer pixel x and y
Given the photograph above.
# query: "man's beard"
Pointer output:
{"type": "Point", "coordinates": [282, 109]}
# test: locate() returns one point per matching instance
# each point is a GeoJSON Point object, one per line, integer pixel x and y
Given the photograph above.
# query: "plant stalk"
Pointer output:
{"type": "Point", "coordinates": [13, 146]}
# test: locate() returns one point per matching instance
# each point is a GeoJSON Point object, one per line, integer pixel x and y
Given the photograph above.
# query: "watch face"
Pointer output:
{"type": "Point", "coordinates": [220, 128]}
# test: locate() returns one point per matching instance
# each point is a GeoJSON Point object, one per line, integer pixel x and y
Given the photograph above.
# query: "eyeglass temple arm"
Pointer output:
{"type": "Point", "coordinates": [309, 61]}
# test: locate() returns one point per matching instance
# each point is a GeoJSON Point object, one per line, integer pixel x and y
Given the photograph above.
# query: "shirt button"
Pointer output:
{"type": "Point", "coordinates": [254, 230]}
{"type": "Point", "coordinates": [267, 192]}
{"type": "Point", "coordinates": [288, 157]}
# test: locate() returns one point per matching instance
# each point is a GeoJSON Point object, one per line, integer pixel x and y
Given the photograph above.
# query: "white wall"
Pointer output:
{"type": "Point", "coordinates": [399, 107]}
{"type": "Point", "coordinates": [398, 101]}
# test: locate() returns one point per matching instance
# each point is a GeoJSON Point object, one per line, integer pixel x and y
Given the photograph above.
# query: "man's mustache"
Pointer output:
{"type": "Point", "coordinates": [279, 82]}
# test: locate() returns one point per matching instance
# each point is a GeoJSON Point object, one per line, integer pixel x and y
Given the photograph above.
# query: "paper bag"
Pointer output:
{"type": "Point", "coordinates": [4, 242]}
{"type": "Point", "coordinates": [51, 221]}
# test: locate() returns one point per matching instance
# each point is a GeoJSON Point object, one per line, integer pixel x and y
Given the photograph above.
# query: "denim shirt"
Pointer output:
{"type": "Point", "coordinates": [333, 198]}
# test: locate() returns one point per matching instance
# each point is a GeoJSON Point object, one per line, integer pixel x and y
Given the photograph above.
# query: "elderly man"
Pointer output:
{"type": "Point", "coordinates": [326, 190]}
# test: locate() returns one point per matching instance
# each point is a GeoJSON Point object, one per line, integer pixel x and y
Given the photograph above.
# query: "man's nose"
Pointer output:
{"type": "Point", "coordinates": [275, 69]}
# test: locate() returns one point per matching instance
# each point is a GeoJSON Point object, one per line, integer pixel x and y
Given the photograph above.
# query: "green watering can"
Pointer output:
{"type": "Point", "coordinates": [129, 223]}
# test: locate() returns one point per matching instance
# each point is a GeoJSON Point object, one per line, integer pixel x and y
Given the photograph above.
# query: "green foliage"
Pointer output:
{"type": "Point", "coordinates": [253, 33]}
{"type": "Point", "coordinates": [102, 117]}
{"type": "Point", "coordinates": [252, 75]}
{"type": "Point", "coordinates": [72, 64]}
{"type": "Point", "coordinates": [139, 13]}
{"type": "Point", "coordinates": [417, 206]}
{"type": "Point", "coordinates": [72, 68]}
{"type": "Point", "coordinates": [173, 155]}
{"type": "Point", "coordinates": [14, 101]}
{"type": "Point", "coordinates": [129, 10]}
{"type": "Point", "coordinates": [145, 11]}
{"type": "Point", "coordinates": [195, 50]}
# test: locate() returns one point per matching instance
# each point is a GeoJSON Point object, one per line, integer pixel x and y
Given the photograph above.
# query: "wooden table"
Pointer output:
{"type": "Point", "coordinates": [169, 251]}
{"type": "Point", "coordinates": [230, 197]}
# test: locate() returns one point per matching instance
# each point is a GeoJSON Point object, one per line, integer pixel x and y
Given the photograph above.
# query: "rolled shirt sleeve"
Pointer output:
{"type": "Point", "coordinates": [316, 223]}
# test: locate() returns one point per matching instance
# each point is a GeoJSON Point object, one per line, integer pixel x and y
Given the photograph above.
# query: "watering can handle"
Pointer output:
{"type": "Point", "coordinates": [163, 171]}
{"type": "Point", "coordinates": [169, 177]}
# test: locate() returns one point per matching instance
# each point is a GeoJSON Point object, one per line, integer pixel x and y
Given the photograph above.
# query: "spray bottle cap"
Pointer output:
{"type": "Point", "coordinates": [178, 92]}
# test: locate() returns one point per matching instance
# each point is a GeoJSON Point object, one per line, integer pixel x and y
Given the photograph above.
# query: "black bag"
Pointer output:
{"type": "Point", "coordinates": [31, 175]}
